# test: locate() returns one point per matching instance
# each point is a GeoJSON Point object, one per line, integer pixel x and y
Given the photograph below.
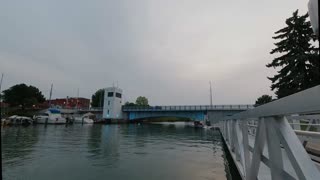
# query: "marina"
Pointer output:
{"type": "Point", "coordinates": [160, 90]}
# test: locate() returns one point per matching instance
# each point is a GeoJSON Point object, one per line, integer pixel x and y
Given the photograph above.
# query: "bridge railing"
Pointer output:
{"type": "Point", "coordinates": [187, 108]}
{"type": "Point", "coordinates": [263, 144]}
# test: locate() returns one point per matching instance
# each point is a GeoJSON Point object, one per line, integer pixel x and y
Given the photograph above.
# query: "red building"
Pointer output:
{"type": "Point", "coordinates": [70, 102]}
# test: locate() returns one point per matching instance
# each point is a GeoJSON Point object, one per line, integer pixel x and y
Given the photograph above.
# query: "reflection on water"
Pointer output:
{"type": "Point", "coordinates": [19, 143]}
{"type": "Point", "coordinates": [113, 152]}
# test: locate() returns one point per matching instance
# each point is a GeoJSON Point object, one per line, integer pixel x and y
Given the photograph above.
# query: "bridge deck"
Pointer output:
{"type": "Point", "coordinates": [186, 108]}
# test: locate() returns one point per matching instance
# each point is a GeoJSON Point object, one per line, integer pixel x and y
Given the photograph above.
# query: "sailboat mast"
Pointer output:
{"type": "Point", "coordinates": [1, 81]}
{"type": "Point", "coordinates": [77, 98]}
{"type": "Point", "coordinates": [50, 95]}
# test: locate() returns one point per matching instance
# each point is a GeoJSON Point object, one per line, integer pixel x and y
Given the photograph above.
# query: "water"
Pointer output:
{"type": "Point", "coordinates": [135, 152]}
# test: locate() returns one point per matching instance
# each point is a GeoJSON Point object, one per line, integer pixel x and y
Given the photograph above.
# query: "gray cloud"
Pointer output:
{"type": "Point", "coordinates": [165, 50]}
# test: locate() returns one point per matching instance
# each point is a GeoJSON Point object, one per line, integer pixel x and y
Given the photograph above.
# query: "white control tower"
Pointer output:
{"type": "Point", "coordinates": [112, 103]}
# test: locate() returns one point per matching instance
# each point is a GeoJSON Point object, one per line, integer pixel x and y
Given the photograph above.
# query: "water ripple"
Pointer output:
{"type": "Point", "coordinates": [113, 151]}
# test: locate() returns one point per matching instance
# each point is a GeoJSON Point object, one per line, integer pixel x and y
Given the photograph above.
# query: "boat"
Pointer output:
{"type": "Point", "coordinates": [17, 120]}
{"type": "Point", "coordinates": [195, 124]}
{"type": "Point", "coordinates": [198, 124]}
{"type": "Point", "coordinates": [51, 116]}
{"type": "Point", "coordinates": [84, 119]}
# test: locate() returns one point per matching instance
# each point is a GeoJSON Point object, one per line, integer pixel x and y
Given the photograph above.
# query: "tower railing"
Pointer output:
{"type": "Point", "coordinates": [263, 143]}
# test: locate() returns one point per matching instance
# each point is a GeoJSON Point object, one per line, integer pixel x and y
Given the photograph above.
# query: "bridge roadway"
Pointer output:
{"type": "Point", "coordinates": [186, 108]}
{"type": "Point", "coordinates": [197, 113]}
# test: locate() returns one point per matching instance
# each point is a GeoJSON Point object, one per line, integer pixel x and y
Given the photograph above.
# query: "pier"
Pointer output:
{"type": "Point", "coordinates": [267, 141]}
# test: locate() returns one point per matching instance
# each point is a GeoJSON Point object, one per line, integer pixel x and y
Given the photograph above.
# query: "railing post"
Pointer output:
{"type": "Point", "coordinates": [245, 143]}
{"type": "Point", "coordinates": [232, 135]}
{"type": "Point", "coordinates": [299, 158]}
{"type": "Point", "coordinates": [257, 150]}
{"type": "Point", "coordinates": [236, 136]}
{"type": "Point", "coordinates": [274, 149]}
{"type": "Point", "coordinates": [227, 131]}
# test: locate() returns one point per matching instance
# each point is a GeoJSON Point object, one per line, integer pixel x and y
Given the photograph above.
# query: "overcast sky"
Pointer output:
{"type": "Point", "coordinates": [166, 50]}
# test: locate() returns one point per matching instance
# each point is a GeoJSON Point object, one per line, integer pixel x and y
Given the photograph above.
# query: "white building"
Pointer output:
{"type": "Point", "coordinates": [112, 103]}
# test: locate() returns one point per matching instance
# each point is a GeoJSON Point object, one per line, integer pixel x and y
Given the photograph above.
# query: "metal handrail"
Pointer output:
{"type": "Point", "coordinates": [293, 104]}
{"type": "Point", "coordinates": [274, 142]}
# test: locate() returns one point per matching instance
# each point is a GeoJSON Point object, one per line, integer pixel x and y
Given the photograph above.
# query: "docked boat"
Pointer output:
{"type": "Point", "coordinates": [51, 116]}
{"type": "Point", "coordinates": [17, 120]}
{"type": "Point", "coordinates": [198, 124]}
{"type": "Point", "coordinates": [84, 119]}
{"type": "Point", "coordinates": [195, 124]}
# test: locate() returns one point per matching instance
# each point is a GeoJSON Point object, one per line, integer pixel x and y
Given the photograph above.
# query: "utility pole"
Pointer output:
{"type": "Point", "coordinates": [210, 94]}
{"type": "Point", "coordinates": [1, 97]}
{"type": "Point", "coordinates": [1, 81]}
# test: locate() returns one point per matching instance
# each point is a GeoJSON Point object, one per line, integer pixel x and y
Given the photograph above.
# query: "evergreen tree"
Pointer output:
{"type": "Point", "coordinates": [298, 60]}
{"type": "Point", "coordinates": [97, 99]}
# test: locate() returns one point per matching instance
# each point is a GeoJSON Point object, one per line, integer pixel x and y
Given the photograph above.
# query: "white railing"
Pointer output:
{"type": "Point", "coordinates": [263, 144]}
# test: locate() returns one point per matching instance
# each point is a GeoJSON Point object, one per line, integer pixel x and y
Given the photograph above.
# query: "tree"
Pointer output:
{"type": "Point", "coordinates": [263, 100]}
{"type": "Point", "coordinates": [298, 60]}
{"type": "Point", "coordinates": [23, 95]}
{"type": "Point", "coordinates": [129, 104]}
{"type": "Point", "coordinates": [97, 99]}
{"type": "Point", "coordinates": [142, 101]}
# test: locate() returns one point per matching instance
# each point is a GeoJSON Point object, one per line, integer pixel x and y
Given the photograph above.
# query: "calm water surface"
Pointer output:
{"type": "Point", "coordinates": [119, 152]}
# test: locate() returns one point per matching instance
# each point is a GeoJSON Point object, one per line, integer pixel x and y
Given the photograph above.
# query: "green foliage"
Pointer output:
{"type": "Point", "coordinates": [23, 95]}
{"type": "Point", "coordinates": [298, 58]}
{"type": "Point", "coordinates": [97, 99]}
{"type": "Point", "coordinates": [142, 101]}
{"type": "Point", "coordinates": [263, 100]}
{"type": "Point", "coordinates": [129, 104]}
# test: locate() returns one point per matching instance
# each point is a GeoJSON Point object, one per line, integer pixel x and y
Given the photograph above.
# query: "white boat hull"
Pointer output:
{"type": "Point", "coordinates": [51, 121]}
{"type": "Point", "coordinates": [79, 120]}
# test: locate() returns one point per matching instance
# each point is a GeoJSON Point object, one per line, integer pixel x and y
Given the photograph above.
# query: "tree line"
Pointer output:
{"type": "Point", "coordinates": [26, 96]}
{"type": "Point", "coordinates": [22, 95]}
{"type": "Point", "coordinates": [97, 100]}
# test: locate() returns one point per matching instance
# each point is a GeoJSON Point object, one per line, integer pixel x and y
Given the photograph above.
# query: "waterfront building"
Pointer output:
{"type": "Point", "coordinates": [69, 102]}
{"type": "Point", "coordinates": [112, 103]}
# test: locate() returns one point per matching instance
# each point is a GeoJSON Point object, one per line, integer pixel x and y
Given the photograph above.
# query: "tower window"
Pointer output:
{"type": "Point", "coordinates": [110, 94]}
{"type": "Point", "coordinates": [118, 95]}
